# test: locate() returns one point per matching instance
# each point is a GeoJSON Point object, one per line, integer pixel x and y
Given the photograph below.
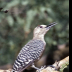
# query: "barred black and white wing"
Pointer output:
{"type": "Point", "coordinates": [28, 54]}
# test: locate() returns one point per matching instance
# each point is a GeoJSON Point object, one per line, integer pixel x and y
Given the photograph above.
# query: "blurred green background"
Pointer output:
{"type": "Point", "coordinates": [16, 26]}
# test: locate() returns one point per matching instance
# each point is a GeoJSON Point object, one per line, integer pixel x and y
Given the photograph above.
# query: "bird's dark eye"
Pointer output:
{"type": "Point", "coordinates": [40, 26]}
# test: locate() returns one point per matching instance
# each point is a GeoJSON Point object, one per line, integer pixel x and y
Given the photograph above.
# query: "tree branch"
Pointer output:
{"type": "Point", "coordinates": [57, 66]}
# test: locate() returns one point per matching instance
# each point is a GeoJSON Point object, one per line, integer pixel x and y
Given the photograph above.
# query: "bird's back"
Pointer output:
{"type": "Point", "coordinates": [28, 55]}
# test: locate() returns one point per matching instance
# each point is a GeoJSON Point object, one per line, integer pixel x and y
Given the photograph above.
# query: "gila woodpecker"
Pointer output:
{"type": "Point", "coordinates": [33, 50]}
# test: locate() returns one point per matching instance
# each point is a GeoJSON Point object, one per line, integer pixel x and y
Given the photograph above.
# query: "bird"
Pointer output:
{"type": "Point", "coordinates": [33, 50]}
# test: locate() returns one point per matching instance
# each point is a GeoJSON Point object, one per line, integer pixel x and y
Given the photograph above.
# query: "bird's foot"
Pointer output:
{"type": "Point", "coordinates": [52, 67]}
{"type": "Point", "coordinates": [40, 69]}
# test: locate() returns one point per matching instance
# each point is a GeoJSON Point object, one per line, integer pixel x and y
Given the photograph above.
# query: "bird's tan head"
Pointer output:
{"type": "Point", "coordinates": [41, 30]}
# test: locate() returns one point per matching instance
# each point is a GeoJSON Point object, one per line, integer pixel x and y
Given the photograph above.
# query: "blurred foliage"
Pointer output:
{"type": "Point", "coordinates": [16, 26]}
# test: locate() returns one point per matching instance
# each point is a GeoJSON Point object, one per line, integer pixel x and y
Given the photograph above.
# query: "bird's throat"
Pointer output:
{"type": "Point", "coordinates": [39, 37]}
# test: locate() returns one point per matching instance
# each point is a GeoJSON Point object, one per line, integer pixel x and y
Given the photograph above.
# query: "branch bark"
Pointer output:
{"type": "Point", "coordinates": [9, 70]}
{"type": "Point", "coordinates": [57, 65]}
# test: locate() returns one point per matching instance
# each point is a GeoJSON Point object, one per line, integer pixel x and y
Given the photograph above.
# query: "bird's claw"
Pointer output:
{"type": "Point", "coordinates": [42, 67]}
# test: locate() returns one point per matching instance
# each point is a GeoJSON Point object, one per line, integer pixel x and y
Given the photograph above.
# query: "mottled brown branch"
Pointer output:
{"type": "Point", "coordinates": [62, 62]}
{"type": "Point", "coordinates": [57, 65]}
{"type": "Point", "coordinates": [9, 70]}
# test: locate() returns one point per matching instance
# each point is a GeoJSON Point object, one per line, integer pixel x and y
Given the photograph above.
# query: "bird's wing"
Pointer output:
{"type": "Point", "coordinates": [28, 54]}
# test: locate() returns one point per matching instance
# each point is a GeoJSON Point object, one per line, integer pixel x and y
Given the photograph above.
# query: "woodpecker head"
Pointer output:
{"type": "Point", "coordinates": [41, 30]}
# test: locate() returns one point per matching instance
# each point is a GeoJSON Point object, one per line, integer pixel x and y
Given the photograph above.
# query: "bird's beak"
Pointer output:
{"type": "Point", "coordinates": [50, 25]}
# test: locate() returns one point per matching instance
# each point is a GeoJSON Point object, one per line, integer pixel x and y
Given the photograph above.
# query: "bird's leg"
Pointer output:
{"type": "Point", "coordinates": [39, 69]}
{"type": "Point", "coordinates": [33, 66]}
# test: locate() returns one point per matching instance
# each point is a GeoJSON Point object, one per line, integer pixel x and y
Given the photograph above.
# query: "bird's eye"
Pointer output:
{"type": "Point", "coordinates": [40, 26]}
